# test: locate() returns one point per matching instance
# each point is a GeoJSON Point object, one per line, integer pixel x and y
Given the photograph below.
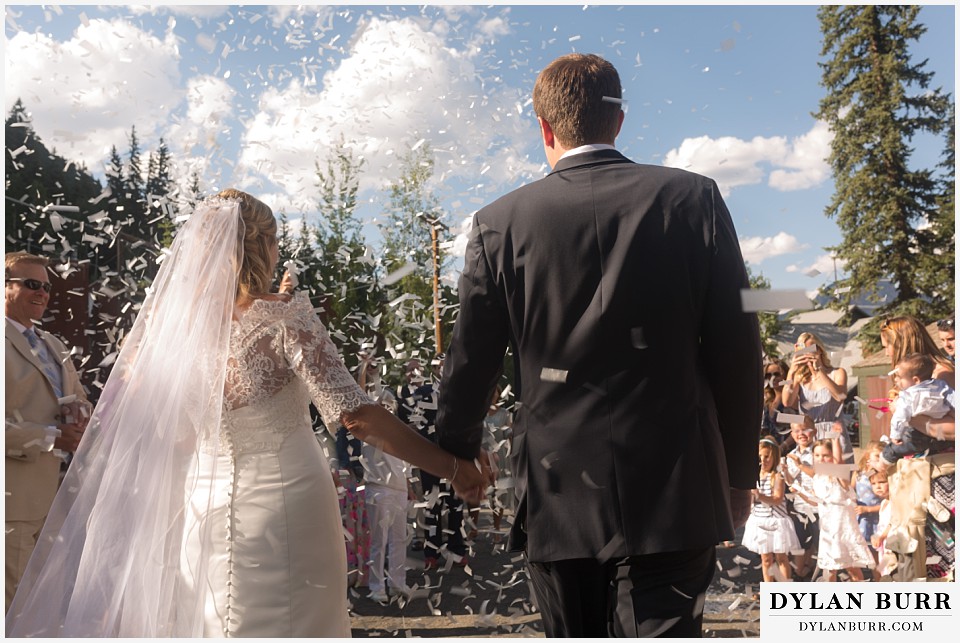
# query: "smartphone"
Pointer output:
{"type": "Point", "coordinates": [812, 348]}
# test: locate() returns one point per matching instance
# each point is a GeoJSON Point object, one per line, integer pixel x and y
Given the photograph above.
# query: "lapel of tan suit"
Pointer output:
{"type": "Point", "coordinates": [22, 346]}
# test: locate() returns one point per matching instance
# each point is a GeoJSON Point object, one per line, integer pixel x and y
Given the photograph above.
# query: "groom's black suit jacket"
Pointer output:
{"type": "Point", "coordinates": [638, 376]}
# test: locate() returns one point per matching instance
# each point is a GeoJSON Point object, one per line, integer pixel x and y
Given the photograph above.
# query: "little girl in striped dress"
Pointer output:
{"type": "Point", "coordinates": [769, 530]}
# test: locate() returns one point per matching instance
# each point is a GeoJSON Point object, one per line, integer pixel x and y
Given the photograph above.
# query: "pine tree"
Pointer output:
{"type": "Point", "coordinates": [412, 211]}
{"type": "Point", "coordinates": [114, 174]}
{"type": "Point", "coordinates": [342, 267]}
{"type": "Point", "coordinates": [161, 197]}
{"type": "Point", "coordinates": [936, 273]}
{"type": "Point", "coordinates": [36, 178]}
{"type": "Point", "coordinates": [877, 100]}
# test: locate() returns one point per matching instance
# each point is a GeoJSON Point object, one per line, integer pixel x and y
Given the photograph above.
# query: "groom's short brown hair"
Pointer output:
{"type": "Point", "coordinates": [569, 95]}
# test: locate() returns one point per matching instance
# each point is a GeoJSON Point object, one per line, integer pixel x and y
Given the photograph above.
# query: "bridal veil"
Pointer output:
{"type": "Point", "coordinates": [110, 561]}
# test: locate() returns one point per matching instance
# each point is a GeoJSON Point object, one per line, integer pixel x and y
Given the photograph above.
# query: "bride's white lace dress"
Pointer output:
{"type": "Point", "coordinates": [264, 517]}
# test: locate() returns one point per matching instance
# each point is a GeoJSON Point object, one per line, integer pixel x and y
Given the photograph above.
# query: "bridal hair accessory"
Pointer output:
{"type": "Point", "coordinates": [111, 561]}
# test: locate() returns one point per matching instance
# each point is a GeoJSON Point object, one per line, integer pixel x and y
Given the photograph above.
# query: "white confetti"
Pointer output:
{"type": "Point", "coordinates": [753, 301]}
{"type": "Point", "coordinates": [399, 274]}
{"type": "Point", "coordinates": [553, 375]}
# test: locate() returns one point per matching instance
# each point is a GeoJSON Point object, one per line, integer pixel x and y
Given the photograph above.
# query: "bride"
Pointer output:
{"type": "Point", "coordinates": [199, 502]}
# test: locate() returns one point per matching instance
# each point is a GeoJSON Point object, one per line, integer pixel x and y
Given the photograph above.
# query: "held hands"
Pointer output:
{"type": "Point", "coordinates": [471, 479]}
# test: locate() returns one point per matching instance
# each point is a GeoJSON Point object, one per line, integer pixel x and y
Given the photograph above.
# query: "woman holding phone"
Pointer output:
{"type": "Point", "coordinates": [820, 390]}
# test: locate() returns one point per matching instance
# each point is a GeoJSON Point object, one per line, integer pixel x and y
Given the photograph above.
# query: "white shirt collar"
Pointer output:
{"type": "Point", "coordinates": [20, 327]}
{"type": "Point", "coordinates": [592, 147]}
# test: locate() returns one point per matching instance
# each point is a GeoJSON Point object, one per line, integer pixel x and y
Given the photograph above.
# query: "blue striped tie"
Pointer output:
{"type": "Point", "coordinates": [40, 350]}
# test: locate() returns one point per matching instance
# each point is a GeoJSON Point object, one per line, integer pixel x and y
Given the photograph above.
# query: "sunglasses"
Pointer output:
{"type": "Point", "coordinates": [945, 324]}
{"type": "Point", "coordinates": [32, 284]}
{"type": "Point", "coordinates": [776, 372]}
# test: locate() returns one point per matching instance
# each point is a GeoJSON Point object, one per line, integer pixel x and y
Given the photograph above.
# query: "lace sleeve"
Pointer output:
{"type": "Point", "coordinates": [313, 357]}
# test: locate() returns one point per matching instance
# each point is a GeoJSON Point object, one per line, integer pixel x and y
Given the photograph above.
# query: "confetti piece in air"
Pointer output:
{"type": "Point", "coordinates": [753, 301]}
{"type": "Point", "coordinates": [61, 208]}
{"type": "Point", "coordinates": [547, 461]}
{"type": "Point", "coordinates": [637, 339]}
{"type": "Point", "coordinates": [588, 481]}
{"type": "Point", "coordinates": [835, 470]}
{"type": "Point", "coordinates": [789, 418]}
{"type": "Point", "coordinates": [553, 375]}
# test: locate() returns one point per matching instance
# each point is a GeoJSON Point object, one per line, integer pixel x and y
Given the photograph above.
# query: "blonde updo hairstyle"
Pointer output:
{"type": "Point", "coordinates": [259, 233]}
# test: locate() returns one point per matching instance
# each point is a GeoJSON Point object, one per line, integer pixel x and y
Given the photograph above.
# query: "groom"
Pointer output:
{"type": "Point", "coordinates": [638, 376]}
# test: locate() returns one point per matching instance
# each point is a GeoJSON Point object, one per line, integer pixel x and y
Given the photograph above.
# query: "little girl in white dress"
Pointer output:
{"type": "Point", "coordinates": [769, 530]}
{"type": "Point", "coordinates": [842, 546]}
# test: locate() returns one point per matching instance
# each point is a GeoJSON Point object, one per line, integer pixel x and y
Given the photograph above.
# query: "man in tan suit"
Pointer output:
{"type": "Point", "coordinates": [46, 410]}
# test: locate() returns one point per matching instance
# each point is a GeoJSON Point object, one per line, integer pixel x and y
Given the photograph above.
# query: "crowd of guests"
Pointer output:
{"type": "Point", "coordinates": [815, 511]}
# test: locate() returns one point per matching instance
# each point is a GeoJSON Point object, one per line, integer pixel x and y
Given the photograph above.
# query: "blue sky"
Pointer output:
{"type": "Point", "coordinates": [253, 96]}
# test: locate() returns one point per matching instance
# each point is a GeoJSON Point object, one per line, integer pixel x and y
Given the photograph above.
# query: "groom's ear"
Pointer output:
{"type": "Point", "coordinates": [546, 132]}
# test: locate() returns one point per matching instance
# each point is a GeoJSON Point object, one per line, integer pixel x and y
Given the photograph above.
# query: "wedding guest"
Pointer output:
{"type": "Point", "coordinates": [41, 421]}
{"type": "Point", "coordinates": [947, 333]}
{"type": "Point", "coordinates": [841, 546]}
{"type": "Point", "coordinates": [774, 372]}
{"type": "Point", "coordinates": [387, 500]}
{"type": "Point", "coordinates": [769, 530]}
{"type": "Point", "coordinates": [901, 336]}
{"type": "Point", "coordinates": [919, 394]}
{"type": "Point", "coordinates": [818, 389]}
{"type": "Point", "coordinates": [803, 507]}
{"type": "Point", "coordinates": [617, 285]}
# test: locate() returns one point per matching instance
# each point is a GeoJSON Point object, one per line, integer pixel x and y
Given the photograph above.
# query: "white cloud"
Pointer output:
{"type": "Point", "coordinates": [732, 162]}
{"type": "Point", "coordinates": [87, 92]}
{"type": "Point", "coordinates": [805, 163]}
{"type": "Point", "coordinates": [381, 104]}
{"type": "Point", "coordinates": [756, 249]}
{"type": "Point", "coordinates": [209, 103]}
{"type": "Point", "coordinates": [822, 265]}
{"type": "Point", "coordinates": [496, 26]}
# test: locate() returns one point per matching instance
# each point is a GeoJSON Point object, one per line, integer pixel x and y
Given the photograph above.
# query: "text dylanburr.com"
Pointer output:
{"type": "Point", "coordinates": [856, 611]}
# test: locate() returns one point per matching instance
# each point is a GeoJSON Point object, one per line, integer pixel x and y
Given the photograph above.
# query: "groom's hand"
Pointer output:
{"type": "Point", "coordinates": [740, 502]}
{"type": "Point", "coordinates": [469, 483]}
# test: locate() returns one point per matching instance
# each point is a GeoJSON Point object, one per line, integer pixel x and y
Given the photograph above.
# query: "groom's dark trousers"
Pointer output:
{"type": "Point", "coordinates": [658, 595]}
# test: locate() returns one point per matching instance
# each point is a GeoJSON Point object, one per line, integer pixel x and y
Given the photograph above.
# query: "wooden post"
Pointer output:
{"type": "Point", "coordinates": [438, 336]}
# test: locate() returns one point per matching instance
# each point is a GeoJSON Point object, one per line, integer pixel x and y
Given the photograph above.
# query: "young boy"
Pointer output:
{"type": "Point", "coordinates": [920, 394]}
{"type": "Point", "coordinates": [803, 508]}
